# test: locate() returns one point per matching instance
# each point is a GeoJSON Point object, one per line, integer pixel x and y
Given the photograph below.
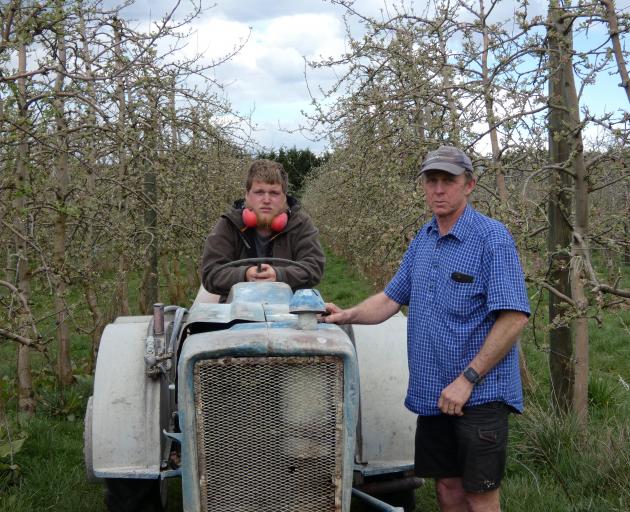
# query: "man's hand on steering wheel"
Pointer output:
{"type": "Point", "coordinates": [266, 273]}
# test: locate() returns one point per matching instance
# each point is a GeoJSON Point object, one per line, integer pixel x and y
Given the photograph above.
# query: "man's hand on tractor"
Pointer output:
{"type": "Point", "coordinates": [334, 314]}
{"type": "Point", "coordinates": [264, 273]}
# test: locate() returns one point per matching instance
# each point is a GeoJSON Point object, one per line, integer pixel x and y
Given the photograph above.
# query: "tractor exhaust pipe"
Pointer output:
{"type": "Point", "coordinates": [158, 319]}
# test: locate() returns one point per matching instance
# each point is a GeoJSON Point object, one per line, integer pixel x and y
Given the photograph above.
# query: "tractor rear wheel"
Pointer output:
{"type": "Point", "coordinates": [405, 499]}
{"type": "Point", "coordinates": [135, 495]}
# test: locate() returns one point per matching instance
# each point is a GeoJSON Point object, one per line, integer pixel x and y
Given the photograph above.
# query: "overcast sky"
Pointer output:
{"type": "Point", "coordinates": [267, 77]}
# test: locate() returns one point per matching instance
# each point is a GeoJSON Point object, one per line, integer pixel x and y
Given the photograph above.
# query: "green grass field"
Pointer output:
{"type": "Point", "coordinates": [552, 464]}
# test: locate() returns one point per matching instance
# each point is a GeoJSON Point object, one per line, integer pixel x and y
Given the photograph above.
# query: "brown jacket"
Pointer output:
{"type": "Point", "coordinates": [298, 242]}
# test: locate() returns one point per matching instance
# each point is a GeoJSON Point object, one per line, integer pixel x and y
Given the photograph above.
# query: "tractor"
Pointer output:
{"type": "Point", "coordinates": [255, 404]}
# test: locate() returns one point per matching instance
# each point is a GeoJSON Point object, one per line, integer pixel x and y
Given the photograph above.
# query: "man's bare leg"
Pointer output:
{"type": "Point", "coordinates": [451, 495]}
{"type": "Point", "coordinates": [453, 498]}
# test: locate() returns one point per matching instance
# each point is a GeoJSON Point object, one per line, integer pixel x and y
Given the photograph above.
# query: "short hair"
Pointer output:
{"type": "Point", "coordinates": [267, 171]}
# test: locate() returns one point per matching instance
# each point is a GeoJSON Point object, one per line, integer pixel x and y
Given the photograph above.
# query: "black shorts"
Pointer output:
{"type": "Point", "coordinates": [472, 446]}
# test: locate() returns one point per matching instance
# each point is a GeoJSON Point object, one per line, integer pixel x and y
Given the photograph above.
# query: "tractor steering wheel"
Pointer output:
{"type": "Point", "coordinates": [253, 261]}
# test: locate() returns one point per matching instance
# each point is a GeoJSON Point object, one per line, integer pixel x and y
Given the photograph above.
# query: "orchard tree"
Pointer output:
{"type": "Point", "coordinates": [100, 127]}
{"type": "Point", "coordinates": [507, 87]}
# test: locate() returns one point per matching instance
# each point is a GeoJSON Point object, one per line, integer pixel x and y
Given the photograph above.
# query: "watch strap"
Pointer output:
{"type": "Point", "coordinates": [472, 376]}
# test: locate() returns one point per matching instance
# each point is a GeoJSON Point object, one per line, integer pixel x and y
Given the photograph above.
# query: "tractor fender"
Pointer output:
{"type": "Point", "coordinates": [126, 432]}
{"type": "Point", "coordinates": [386, 429]}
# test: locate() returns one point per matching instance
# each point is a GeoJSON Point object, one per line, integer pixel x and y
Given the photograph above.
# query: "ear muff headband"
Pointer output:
{"type": "Point", "coordinates": [278, 223]}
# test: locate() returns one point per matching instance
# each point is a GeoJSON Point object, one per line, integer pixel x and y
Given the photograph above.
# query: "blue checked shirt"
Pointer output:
{"type": "Point", "coordinates": [455, 286]}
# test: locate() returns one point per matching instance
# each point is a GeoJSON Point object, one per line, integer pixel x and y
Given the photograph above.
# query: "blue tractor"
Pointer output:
{"type": "Point", "coordinates": [255, 405]}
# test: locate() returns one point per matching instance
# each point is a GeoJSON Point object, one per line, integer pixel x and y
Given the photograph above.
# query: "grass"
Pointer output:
{"type": "Point", "coordinates": [53, 475]}
{"type": "Point", "coordinates": [341, 284]}
{"type": "Point", "coordinates": [552, 464]}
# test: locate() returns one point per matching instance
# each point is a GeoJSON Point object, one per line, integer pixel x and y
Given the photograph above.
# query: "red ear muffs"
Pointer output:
{"type": "Point", "coordinates": [278, 223]}
{"type": "Point", "coordinates": [249, 218]}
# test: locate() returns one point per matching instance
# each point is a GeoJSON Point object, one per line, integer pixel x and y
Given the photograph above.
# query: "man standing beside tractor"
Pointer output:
{"type": "Point", "coordinates": [462, 280]}
{"type": "Point", "coordinates": [267, 223]}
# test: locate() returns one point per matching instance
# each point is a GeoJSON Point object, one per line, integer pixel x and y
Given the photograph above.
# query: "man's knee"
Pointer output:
{"type": "Point", "coordinates": [452, 497]}
{"type": "Point", "coordinates": [450, 493]}
{"type": "Point", "coordinates": [483, 501]}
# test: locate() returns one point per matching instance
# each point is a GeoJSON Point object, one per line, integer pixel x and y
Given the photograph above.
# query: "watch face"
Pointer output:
{"type": "Point", "coordinates": [471, 375]}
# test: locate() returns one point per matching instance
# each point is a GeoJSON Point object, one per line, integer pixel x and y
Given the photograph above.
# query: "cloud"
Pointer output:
{"type": "Point", "coordinates": [254, 10]}
{"type": "Point", "coordinates": [267, 74]}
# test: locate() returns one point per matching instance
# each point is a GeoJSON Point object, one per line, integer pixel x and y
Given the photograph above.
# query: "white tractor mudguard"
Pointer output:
{"type": "Point", "coordinates": [126, 434]}
{"type": "Point", "coordinates": [387, 428]}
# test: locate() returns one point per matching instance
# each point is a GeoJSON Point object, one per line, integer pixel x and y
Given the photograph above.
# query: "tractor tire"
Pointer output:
{"type": "Point", "coordinates": [405, 499]}
{"type": "Point", "coordinates": [135, 495]}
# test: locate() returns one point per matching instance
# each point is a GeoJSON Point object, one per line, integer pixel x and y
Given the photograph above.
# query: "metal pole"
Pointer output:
{"type": "Point", "coordinates": [158, 319]}
{"type": "Point", "coordinates": [376, 504]}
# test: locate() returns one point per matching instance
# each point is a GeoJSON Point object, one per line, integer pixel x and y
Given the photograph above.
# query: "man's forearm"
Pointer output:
{"type": "Point", "coordinates": [499, 341]}
{"type": "Point", "coordinates": [373, 310]}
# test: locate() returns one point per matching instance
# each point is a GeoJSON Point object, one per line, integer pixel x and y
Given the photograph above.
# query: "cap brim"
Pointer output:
{"type": "Point", "coordinates": [443, 166]}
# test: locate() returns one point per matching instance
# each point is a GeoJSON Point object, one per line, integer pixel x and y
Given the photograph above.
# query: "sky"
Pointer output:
{"type": "Point", "coordinates": [266, 78]}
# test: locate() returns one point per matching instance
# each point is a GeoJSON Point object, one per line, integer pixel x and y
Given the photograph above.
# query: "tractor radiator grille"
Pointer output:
{"type": "Point", "coordinates": [269, 433]}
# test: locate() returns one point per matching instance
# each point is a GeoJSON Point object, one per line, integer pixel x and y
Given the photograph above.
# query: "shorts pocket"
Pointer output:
{"type": "Point", "coordinates": [491, 436]}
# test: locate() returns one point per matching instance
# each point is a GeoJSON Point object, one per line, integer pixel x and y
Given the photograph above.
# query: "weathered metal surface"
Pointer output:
{"type": "Point", "coordinates": [261, 293]}
{"type": "Point", "coordinates": [87, 442]}
{"type": "Point", "coordinates": [282, 416]}
{"type": "Point", "coordinates": [158, 319]}
{"type": "Point", "coordinates": [307, 301]}
{"type": "Point", "coordinates": [140, 319]}
{"type": "Point", "coordinates": [129, 408]}
{"type": "Point", "coordinates": [387, 428]}
{"type": "Point", "coordinates": [126, 435]}
{"type": "Point", "coordinates": [384, 467]}
{"type": "Point", "coordinates": [282, 342]}
{"type": "Point", "coordinates": [226, 313]}
{"type": "Point", "coordinates": [249, 302]}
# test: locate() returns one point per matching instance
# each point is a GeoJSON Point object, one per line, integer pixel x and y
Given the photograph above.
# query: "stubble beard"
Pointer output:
{"type": "Point", "coordinates": [264, 220]}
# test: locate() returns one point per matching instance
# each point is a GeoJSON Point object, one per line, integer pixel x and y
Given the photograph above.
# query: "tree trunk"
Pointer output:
{"type": "Point", "coordinates": [153, 144]}
{"type": "Point", "coordinates": [122, 287]}
{"type": "Point", "coordinates": [149, 291]}
{"type": "Point", "coordinates": [447, 81]}
{"type": "Point", "coordinates": [488, 94]}
{"type": "Point", "coordinates": [90, 273]}
{"type": "Point", "coordinates": [613, 30]}
{"type": "Point", "coordinates": [580, 254]}
{"type": "Point", "coordinates": [559, 211]}
{"type": "Point", "coordinates": [62, 180]}
{"type": "Point", "coordinates": [497, 166]}
{"type": "Point", "coordinates": [98, 320]}
{"type": "Point", "coordinates": [26, 401]}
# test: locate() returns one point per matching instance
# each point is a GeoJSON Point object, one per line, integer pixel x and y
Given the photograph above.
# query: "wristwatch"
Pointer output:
{"type": "Point", "coordinates": [472, 376]}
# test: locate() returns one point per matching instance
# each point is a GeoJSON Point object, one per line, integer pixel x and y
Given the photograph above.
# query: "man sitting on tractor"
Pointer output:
{"type": "Point", "coordinates": [268, 223]}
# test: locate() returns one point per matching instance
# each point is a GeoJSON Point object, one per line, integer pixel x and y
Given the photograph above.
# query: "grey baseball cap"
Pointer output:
{"type": "Point", "coordinates": [447, 158]}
